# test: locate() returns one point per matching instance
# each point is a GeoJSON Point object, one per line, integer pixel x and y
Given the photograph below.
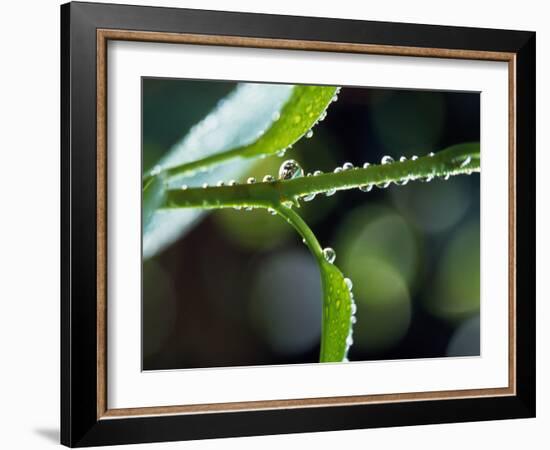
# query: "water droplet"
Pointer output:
{"type": "Point", "coordinates": [334, 98]}
{"type": "Point", "coordinates": [353, 308]}
{"type": "Point", "coordinates": [308, 198]}
{"type": "Point", "coordinates": [348, 283]}
{"type": "Point", "coordinates": [466, 161]}
{"type": "Point", "coordinates": [268, 179]}
{"type": "Point", "coordinates": [353, 320]}
{"type": "Point", "coordinates": [290, 169]}
{"type": "Point", "coordinates": [323, 116]}
{"type": "Point", "coordinates": [414, 158]}
{"type": "Point", "coordinates": [251, 180]}
{"type": "Point", "coordinates": [205, 185]}
{"type": "Point", "coordinates": [249, 208]}
{"type": "Point", "coordinates": [232, 183]}
{"type": "Point", "coordinates": [349, 341]}
{"type": "Point", "coordinates": [338, 170]}
{"type": "Point", "coordinates": [281, 153]}
{"type": "Point", "coordinates": [426, 179]}
{"type": "Point", "coordinates": [155, 170]}
{"type": "Point", "coordinates": [386, 159]}
{"type": "Point", "coordinates": [317, 172]}
{"type": "Point", "coordinates": [447, 176]}
{"type": "Point", "coordinates": [309, 134]}
{"type": "Point", "coordinates": [402, 159]}
{"type": "Point", "coordinates": [431, 154]}
{"type": "Point", "coordinates": [184, 187]}
{"type": "Point", "coordinates": [329, 254]}
{"type": "Point", "coordinates": [271, 211]}
{"type": "Point", "coordinates": [220, 183]}
{"type": "Point", "coordinates": [403, 181]}
{"type": "Point", "coordinates": [366, 188]}
{"type": "Point", "coordinates": [330, 192]}
{"type": "Point", "coordinates": [345, 359]}
{"type": "Point", "coordinates": [366, 165]}
{"type": "Point", "coordinates": [309, 174]}
{"type": "Point", "coordinates": [347, 166]}
{"type": "Point", "coordinates": [276, 116]}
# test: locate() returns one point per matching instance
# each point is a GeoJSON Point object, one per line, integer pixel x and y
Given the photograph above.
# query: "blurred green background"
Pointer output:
{"type": "Point", "coordinates": [241, 289]}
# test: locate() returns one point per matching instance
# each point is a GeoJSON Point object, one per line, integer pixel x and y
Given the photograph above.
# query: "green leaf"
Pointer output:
{"type": "Point", "coordinates": [338, 301]}
{"type": "Point", "coordinates": [254, 120]}
{"type": "Point", "coordinates": [338, 308]}
{"type": "Point", "coordinates": [236, 121]}
{"type": "Point", "coordinates": [306, 107]}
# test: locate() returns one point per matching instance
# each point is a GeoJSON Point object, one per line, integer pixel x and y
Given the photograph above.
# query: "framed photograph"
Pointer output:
{"type": "Point", "coordinates": [277, 224]}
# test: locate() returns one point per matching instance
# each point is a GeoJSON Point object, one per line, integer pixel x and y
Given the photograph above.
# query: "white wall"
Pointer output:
{"type": "Point", "coordinates": [29, 242]}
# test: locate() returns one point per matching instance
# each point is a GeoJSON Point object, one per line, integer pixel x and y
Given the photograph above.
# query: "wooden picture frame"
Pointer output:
{"type": "Point", "coordinates": [86, 418]}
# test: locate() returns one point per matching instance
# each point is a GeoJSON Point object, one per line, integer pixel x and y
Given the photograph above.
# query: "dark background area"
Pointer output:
{"type": "Point", "coordinates": [241, 289]}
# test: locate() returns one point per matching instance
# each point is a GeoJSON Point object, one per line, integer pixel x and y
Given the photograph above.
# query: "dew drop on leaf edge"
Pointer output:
{"type": "Point", "coordinates": [329, 254]}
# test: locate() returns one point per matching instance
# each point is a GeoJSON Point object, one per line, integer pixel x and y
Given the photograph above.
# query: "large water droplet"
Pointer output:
{"type": "Point", "coordinates": [347, 166]}
{"type": "Point", "coordinates": [329, 254]}
{"type": "Point", "coordinates": [290, 169]}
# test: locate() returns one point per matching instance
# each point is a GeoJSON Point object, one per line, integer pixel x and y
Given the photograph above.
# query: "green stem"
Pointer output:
{"type": "Point", "coordinates": [302, 228]}
{"type": "Point", "coordinates": [205, 163]}
{"type": "Point", "coordinates": [455, 160]}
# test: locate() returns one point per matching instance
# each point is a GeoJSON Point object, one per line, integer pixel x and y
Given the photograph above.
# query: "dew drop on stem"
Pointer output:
{"type": "Point", "coordinates": [290, 169]}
